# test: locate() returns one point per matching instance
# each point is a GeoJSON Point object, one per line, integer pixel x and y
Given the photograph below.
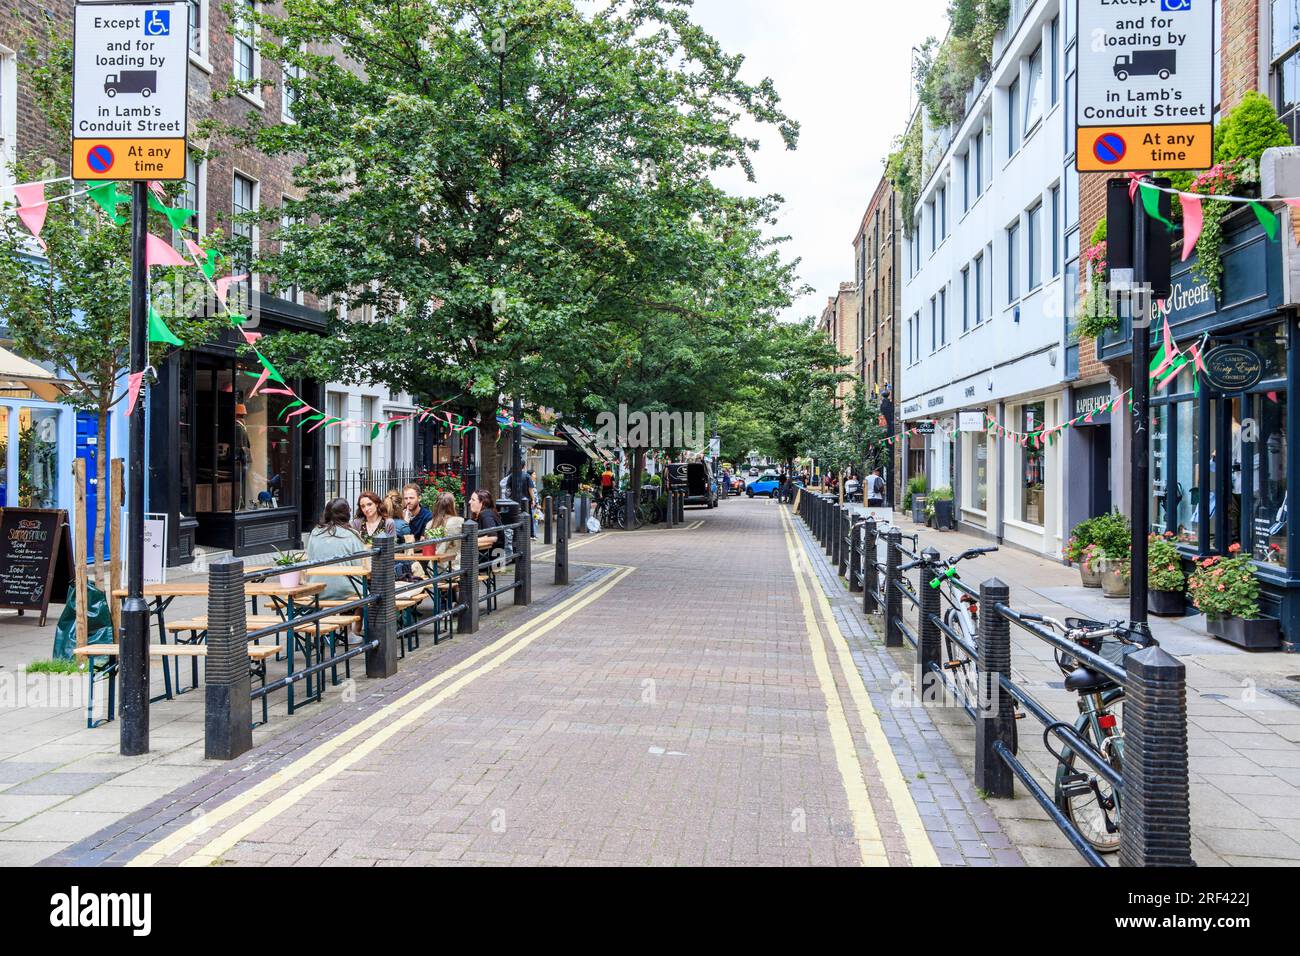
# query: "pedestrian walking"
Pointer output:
{"type": "Point", "coordinates": [875, 489]}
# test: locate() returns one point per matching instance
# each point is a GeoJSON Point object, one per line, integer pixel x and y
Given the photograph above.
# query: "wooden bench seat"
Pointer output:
{"type": "Point", "coordinates": [259, 621]}
{"type": "Point", "coordinates": [256, 652]}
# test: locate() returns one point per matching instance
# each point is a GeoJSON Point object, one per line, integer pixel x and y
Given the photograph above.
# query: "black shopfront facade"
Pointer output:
{"type": "Point", "coordinates": [1220, 459]}
{"type": "Point", "coordinates": [229, 470]}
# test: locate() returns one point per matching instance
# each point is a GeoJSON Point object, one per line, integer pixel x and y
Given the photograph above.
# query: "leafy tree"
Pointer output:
{"type": "Point", "coordinates": [508, 183]}
{"type": "Point", "coordinates": [69, 304]}
{"type": "Point", "coordinates": [799, 376]}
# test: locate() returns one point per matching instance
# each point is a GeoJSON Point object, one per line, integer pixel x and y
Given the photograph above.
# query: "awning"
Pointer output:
{"type": "Point", "coordinates": [16, 371]}
{"type": "Point", "coordinates": [534, 434]}
{"type": "Point", "coordinates": [586, 443]}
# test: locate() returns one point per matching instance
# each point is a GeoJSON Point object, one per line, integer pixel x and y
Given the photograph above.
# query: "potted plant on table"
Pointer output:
{"type": "Point", "coordinates": [1166, 584]}
{"type": "Point", "coordinates": [433, 534]}
{"type": "Point", "coordinates": [288, 559]}
{"type": "Point", "coordinates": [1226, 591]}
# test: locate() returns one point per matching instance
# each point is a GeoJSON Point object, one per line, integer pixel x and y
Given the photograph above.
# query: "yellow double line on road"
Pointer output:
{"type": "Point", "coordinates": [919, 848]}
{"type": "Point", "coordinates": [384, 723]}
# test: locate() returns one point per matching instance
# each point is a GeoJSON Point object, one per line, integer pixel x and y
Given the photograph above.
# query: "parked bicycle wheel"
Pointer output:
{"type": "Point", "coordinates": [1090, 801]}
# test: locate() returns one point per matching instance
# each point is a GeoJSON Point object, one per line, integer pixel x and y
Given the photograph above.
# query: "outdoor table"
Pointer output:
{"type": "Point", "coordinates": [161, 596]}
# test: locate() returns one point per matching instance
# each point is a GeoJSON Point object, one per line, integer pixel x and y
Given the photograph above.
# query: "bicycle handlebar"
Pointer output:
{"type": "Point", "coordinates": [949, 562]}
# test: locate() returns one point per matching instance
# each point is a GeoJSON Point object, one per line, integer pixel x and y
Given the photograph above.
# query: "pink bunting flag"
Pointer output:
{"type": "Point", "coordinates": [160, 253]}
{"type": "Point", "coordinates": [133, 382]}
{"type": "Point", "coordinates": [158, 190]}
{"type": "Point", "coordinates": [223, 285]}
{"type": "Point", "coordinates": [277, 391]}
{"type": "Point", "coordinates": [250, 337]}
{"type": "Point", "coordinates": [1195, 351]}
{"type": "Point", "coordinates": [266, 374]}
{"type": "Point", "coordinates": [32, 208]}
{"type": "Point", "coordinates": [1192, 222]}
{"type": "Point", "coordinates": [195, 250]}
{"type": "Point", "coordinates": [299, 411]}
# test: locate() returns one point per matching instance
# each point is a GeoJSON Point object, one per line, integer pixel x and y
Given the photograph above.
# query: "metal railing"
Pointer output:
{"type": "Point", "coordinates": [1152, 785]}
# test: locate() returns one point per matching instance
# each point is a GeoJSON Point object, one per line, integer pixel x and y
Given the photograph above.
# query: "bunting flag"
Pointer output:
{"type": "Point", "coordinates": [1151, 203]}
{"type": "Point", "coordinates": [107, 197]}
{"type": "Point", "coordinates": [133, 382]}
{"type": "Point", "coordinates": [1193, 222]}
{"type": "Point", "coordinates": [158, 331]}
{"type": "Point", "coordinates": [271, 371]}
{"type": "Point", "coordinates": [157, 189]}
{"type": "Point", "coordinates": [261, 380]}
{"type": "Point", "coordinates": [1266, 219]}
{"type": "Point", "coordinates": [32, 208]}
{"type": "Point", "coordinates": [176, 215]}
{"type": "Point", "coordinates": [309, 419]}
{"type": "Point", "coordinates": [160, 253]}
{"type": "Point", "coordinates": [294, 404]}
{"type": "Point", "coordinates": [223, 285]}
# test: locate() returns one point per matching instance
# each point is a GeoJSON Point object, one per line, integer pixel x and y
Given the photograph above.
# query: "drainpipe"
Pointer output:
{"type": "Point", "coordinates": [1002, 473]}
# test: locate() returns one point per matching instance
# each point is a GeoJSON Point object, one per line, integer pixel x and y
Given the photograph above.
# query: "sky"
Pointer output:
{"type": "Point", "coordinates": [842, 69]}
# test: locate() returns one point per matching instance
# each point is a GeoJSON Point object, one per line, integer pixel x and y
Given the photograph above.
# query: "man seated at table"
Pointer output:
{"type": "Point", "coordinates": [415, 513]}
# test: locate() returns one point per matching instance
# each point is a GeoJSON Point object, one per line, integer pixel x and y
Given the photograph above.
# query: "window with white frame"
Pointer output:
{"type": "Point", "coordinates": [368, 418]}
{"type": "Point", "coordinates": [1034, 89]}
{"type": "Point", "coordinates": [942, 208]}
{"type": "Point", "coordinates": [1056, 230]}
{"type": "Point", "coordinates": [1054, 60]}
{"type": "Point", "coordinates": [198, 10]}
{"type": "Point", "coordinates": [934, 323]}
{"type": "Point", "coordinates": [943, 316]}
{"type": "Point", "coordinates": [291, 291]}
{"type": "Point", "coordinates": [334, 440]}
{"type": "Point", "coordinates": [288, 95]}
{"type": "Point", "coordinates": [1285, 60]}
{"type": "Point", "coordinates": [965, 181]}
{"type": "Point", "coordinates": [965, 298]}
{"type": "Point", "coordinates": [1034, 252]}
{"type": "Point", "coordinates": [978, 298]}
{"type": "Point", "coordinates": [245, 58]}
{"type": "Point", "coordinates": [1013, 255]}
{"type": "Point", "coordinates": [191, 197]}
{"type": "Point", "coordinates": [1013, 117]}
{"type": "Point", "coordinates": [244, 200]}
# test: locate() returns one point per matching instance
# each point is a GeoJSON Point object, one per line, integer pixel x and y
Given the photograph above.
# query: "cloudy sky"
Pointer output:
{"type": "Point", "coordinates": [842, 70]}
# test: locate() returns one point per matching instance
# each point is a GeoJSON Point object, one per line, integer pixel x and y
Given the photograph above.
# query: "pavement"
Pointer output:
{"type": "Point", "coordinates": [1243, 736]}
{"type": "Point", "coordinates": [707, 695]}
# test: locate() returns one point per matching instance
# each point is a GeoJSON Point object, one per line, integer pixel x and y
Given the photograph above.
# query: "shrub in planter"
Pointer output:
{"type": "Point", "coordinates": [286, 560]}
{"type": "Point", "coordinates": [1115, 575]}
{"type": "Point", "coordinates": [939, 509]}
{"type": "Point", "coordinates": [1166, 583]}
{"type": "Point", "coordinates": [1226, 591]}
{"type": "Point", "coordinates": [915, 486]}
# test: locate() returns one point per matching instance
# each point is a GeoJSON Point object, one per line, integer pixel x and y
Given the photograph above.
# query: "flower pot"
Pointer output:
{"type": "Point", "coordinates": [1254, 634]}
{"type": "Point", "coordinates": [918, 509]}
{"type": "Point", "coordinates": [429, 550]}
{"type": "Point", "coordinates": [1167, 603]}
{"type": "Point", "coordinates": [943, 515]}
{"type": "Point", "coordinates": [1114, 583]}
{"type": "Point", "coordinates": [1091, 577]}
{"type": "Point", "coordinates": [290, 579]}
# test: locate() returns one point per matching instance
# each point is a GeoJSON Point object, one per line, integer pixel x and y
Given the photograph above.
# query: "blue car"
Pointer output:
{"type": "Point", "coordinates": [768, 483]}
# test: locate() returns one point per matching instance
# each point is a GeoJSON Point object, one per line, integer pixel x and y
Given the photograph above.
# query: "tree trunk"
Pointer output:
{"type": "Point", "coordinates": [101, 503]}
{"type": "Point", "coordinates": [489, 443]}
{"type": "Point", "coordinates": [634, 486]}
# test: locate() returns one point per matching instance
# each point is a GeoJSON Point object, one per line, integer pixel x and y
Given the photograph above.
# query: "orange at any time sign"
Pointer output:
{"type": "Point", "coordinates": [127, 159]}
{"type": "Point", "coordinates": [1143, 148]}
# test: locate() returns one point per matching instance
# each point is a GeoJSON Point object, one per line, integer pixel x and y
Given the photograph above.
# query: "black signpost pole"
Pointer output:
{"type": "Point", "coordinates": [1140, 308]}
{"type": "Point", "coordinates": [134, 656]}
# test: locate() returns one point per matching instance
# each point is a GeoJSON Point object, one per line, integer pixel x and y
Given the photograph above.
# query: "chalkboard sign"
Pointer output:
{"type": "Point", "coordinates": [34, 545]}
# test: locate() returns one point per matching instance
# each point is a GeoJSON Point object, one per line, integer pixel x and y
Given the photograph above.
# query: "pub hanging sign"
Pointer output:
{"type": "Point", "coordinates": [1233, 368]}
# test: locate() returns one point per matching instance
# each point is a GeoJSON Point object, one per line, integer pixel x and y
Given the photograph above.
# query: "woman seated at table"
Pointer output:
{"type": "Point", "coordinates": [483, 509]}
{"type": "Point", "coordinates": [445, 517]}
{"type": "Point", "coordinates": [334, 538]}
{"type": "Point", "coordinates": [396, 514]}
{"type": "Point", "coordinates": [372, 517]}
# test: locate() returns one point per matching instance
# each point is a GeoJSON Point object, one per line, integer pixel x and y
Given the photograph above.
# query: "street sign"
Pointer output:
{"type": "Point", "coordinates": [1146, 85]}
{"type": "Point", "coordinates": [130, 75]}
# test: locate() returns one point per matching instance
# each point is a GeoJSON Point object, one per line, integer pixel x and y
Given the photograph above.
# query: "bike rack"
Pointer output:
{"type": "Point", "coordinates": [1153, 785]}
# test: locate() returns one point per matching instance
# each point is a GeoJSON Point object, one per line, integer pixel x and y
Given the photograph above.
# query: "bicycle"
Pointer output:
{"type": "Point", "coordinates": [883, 525]}
{"type": "Point", "coordinates": [1087, 798]}
{"type": "Point", "coordinates": [961, 616]}
{"type": "Point", "coordinates": [612, 512]}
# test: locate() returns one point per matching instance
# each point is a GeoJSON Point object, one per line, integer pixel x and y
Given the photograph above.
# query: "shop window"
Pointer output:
{"type": "Point", "coordinates": [979, 472]}
{"type": "Point", "coordinates": [4, 456]}
{"type": "Point", "coordinates": [1160, 439]}
{"type": "Point", "coordinates": [1269, 513]}
{"type": "Point", "coordinates": [38, 457]}
{"type": "Point", "coordinates": [1032, 465]}
{"type": "Point", "coordinates": [243, 446]}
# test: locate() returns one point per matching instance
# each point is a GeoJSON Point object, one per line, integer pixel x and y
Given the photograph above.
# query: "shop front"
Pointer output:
{"type": "Point", "coordinates": [1221, 446]}
{"type": "Point", "coordinates": [1087, 452]}
{"type": "Point", "coordinates": [229, 469]}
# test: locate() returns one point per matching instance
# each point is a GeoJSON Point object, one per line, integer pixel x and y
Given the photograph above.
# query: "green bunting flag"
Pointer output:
{"type": "Point", "coordinates": [1266, 219]}
{"type": "Point", "coordinates": [236, 319]}
{"type": "Point", "coordinates": [210, 266]}
{"type": "Point", "coordinates": [332, 421]}
{"type": "Point", "coordinates": [309, 418]}
{"type": "Point", "coordinates": [1151, 203]}
{"type": "Point", "coordinates": [158, 331]}
{"type": "Point", "coordinates": [375, 430]}
{"type": "Point", "coordinates": [294, 404]}
{"type": "Point", "coordinates": [177, 217]}
{"type": "Point", "coordinates": [107, 197]}
{"type": "Point", "coordinates": [275, 376]}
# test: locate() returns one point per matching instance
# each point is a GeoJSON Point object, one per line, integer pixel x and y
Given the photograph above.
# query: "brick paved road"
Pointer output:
{"type": "Point", "coordinates": [693, 700]}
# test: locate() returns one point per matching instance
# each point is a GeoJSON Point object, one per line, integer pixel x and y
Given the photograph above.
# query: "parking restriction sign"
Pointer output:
{"type": "Point", "coordinates": [1146, 85]}
{"type": "Point", "coordinates": [130, 77]}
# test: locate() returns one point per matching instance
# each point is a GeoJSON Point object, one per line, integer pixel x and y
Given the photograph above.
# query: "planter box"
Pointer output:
{"type": "Point", "coordinates": [943, 515]}
{"type": "Point", "coordinates": [1090, 579]}
{"type": "Point", "coordinates": [1113, 584]}
{"type": "Point", "coordinates": [918, 509]}
{"type": "Point", "coordinates": [1167, 603]}
{"type": "Point", "coordinates": [1254, 634]}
